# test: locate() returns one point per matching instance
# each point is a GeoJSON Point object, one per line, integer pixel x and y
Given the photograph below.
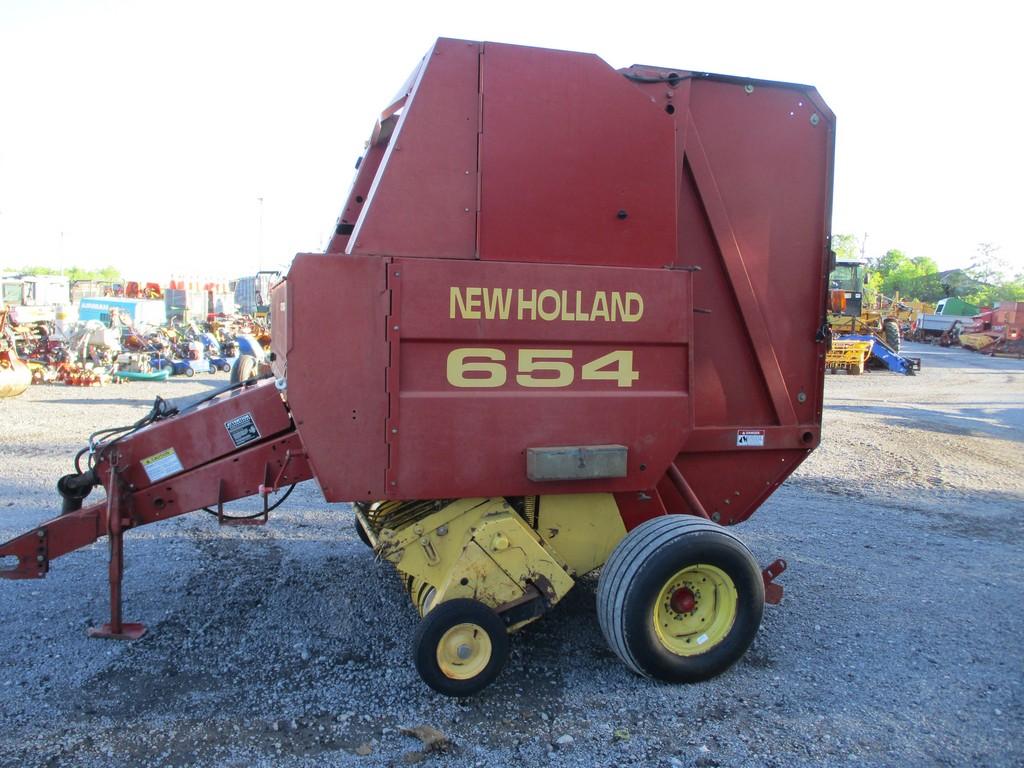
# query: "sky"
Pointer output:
{"type": "Point", "coordinates": [214, 138]}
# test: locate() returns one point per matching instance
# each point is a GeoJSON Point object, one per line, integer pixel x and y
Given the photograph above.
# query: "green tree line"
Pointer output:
{"type": "Point", "coordinates": [987, 280]}
{"type": "Point", "coordinates": [73, 274]}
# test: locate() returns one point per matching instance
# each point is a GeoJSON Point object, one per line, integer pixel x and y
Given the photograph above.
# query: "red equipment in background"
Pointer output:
{"type": "Point", "coordinates": [537, 252]}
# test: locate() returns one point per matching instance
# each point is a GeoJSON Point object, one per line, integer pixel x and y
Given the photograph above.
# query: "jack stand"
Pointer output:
{"type": "Point", "coordinates": [116, 629]}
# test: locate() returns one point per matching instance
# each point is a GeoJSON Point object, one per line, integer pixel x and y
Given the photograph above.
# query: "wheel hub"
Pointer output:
{"type": "Point", "coordinates": [683, 600]}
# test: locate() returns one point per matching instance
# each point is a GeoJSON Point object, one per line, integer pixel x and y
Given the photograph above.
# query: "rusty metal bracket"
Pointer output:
{"type": "Point", "coordinates": [258, 519]}
{"type": "Point", "coordinates": [773, 591]}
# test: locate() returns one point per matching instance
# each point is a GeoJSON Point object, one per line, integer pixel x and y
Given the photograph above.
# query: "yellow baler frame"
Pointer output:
{"type": "Point", "coordinates": [485, 550]}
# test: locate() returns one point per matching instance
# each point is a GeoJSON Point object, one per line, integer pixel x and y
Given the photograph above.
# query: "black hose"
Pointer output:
{"type": "Point", "coordinates": [269, 509]}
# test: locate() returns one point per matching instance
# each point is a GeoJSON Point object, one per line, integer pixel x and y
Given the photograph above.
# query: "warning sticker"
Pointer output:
{"type": "Point", "coordinates": [161, 465]}
{"type": "Point", "coordinates": [749, 438]}
{"type": "Point", "coordinates": [242, 430]}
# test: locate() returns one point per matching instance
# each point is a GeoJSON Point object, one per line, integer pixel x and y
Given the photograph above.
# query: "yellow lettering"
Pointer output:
{"type": "Point", "coordinates": [457, 301]}
{"type": "Point", "coordinates": [634, 307]}
{"type": "Point", "coordinates": [497, 302]}
{"type": "Point", "coordinates": [618, 306]}
{"type": "Point", "coordinates": [547, 304]}
{"type": "Point", "coordinates": [524, 304]}
{"type": "Point", "coordinates": [472, 304]}
{"type": "Point", "coordinates": [580, 314]}
{"type": "Point", "coordinates": [547, 294]}
{"type": "Point", "coordinates": [566, 314]}
{"type": "Point", "coordinates": [486, 365]}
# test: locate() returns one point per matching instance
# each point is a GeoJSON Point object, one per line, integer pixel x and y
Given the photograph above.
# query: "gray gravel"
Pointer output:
{"type": "Point", "coordinates": [899, 641]}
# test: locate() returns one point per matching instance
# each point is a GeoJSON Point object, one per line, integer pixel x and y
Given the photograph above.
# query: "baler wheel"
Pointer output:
{"type": "Point", "coordinates": [460, 647]}
{"type": "Point", "coordinates": [680, 599]}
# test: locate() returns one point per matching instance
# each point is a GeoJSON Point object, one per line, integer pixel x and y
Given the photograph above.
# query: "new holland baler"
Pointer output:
{"type": "Point", "coordinates": [579, 321]}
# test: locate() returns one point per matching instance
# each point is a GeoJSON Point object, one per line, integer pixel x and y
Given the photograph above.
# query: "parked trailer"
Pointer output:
{"type": "Point", "coordinates": [599, 343]}
{"type": "Point", "coordinates": [928, 325]}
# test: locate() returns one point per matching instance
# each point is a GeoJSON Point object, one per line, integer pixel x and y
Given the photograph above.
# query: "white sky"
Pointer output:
{"type": "Point", "coordinates": [145, 131]}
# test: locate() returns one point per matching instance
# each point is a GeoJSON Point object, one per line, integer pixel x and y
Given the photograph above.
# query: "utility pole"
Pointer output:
{"type": "Point", "coordinates": [863, 248]}
{"type": "Point", "coordinates": [260, 201]}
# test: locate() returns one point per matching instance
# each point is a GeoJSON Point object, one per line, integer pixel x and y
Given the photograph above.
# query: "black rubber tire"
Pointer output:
{"type": "Point", "coordinates": [433, 627]}
{"type": "Point", "coordinates": [893, 337]}
{"type": "Point", "coordinates": [226, 368]}
{"type": "Point", "coordinates": [246, 367]}
{"type": "Point", "coordinates": [639, 568]}
{"type": "Point", "coordinates": [190, 372]}
{"type": "Point", "coordinates": [358, 526]}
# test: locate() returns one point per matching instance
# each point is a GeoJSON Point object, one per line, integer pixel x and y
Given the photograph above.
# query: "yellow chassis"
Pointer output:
{"type": "Point", "coordinates": [517, 564]}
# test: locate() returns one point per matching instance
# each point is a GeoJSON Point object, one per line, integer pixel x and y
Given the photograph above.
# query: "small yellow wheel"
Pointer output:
{"type": "Point", "coordinates": [460, 647]}
{"type": "Point", "coordinates": [464, 651]}
{"type": "Point", "coordinates": [680, 599]}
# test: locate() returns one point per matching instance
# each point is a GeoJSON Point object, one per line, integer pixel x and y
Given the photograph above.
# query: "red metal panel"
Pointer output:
{"type": "Point", "coordinates": [763, 163]}
{"type": "Point", "coordinates": [568, 143]}
{"type": "Point", "coordinates": [423, 200]}
{"type": "Point", "coordinates": [336, 370]}
{"type": "Point", "coordinates": [367, 172]}
{"type": "Point", "coordinates": [731, 485]}
{"type": "Point", "coordinates": [471, 440]}
{"type": "Point", "coordinates": [201, 435]}
{"type": "Point", "coordinates": [224, 480]}
{"type": "Point", "coordinates": [754, 205]}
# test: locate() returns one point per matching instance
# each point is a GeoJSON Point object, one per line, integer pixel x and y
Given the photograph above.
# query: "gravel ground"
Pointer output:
{"type": "Point", "coordinates": [900, 640]}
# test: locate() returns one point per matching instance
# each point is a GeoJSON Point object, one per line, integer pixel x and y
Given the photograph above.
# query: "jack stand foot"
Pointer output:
{"type": "Point", "coordinates": [128, 632]}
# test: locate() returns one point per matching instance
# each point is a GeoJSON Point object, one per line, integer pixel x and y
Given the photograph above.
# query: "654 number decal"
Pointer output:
{"type": "Point", "coordinates": [487, 368]}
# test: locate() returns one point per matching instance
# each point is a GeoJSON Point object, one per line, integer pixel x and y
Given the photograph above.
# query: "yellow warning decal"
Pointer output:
{"type": "Point", "coordinates": [161, 465]}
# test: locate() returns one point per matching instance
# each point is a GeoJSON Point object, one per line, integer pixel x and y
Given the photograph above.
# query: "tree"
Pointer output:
{"type": "Point", "coordinates": [109, 274]}
{"type": "Point", "coordinates": [900, 273]}
{"type": "Point", "coordinates": [846, 247]}
{"type": "Point", "coordinates": [925, 265]}
{"type": "Point", "coordinates": [890, 262]}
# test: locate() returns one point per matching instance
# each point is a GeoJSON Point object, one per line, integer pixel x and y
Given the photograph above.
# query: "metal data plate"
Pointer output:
{"type": "Point", "coordinates": [576, 462]}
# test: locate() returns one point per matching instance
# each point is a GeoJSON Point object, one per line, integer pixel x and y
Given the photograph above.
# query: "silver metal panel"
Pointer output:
{"type": "Point", "coordinates": [576, 462]}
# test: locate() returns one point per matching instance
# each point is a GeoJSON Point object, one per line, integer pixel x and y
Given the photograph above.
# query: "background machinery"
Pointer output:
{"type": "Point", "coordinates": [856, 323]}
{"type": "Point", "coordinates": [558, 342]}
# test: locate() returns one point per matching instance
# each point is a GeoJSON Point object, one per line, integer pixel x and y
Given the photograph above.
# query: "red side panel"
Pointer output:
{"type": "Point", "coordinates": [463, 430]}
{"type": "Point", "coordinates": [568, 144]}
{"type": "Point", "coordinates": [423, 200]}
{"type": "Point", "coordinates": [336, 366]}
{"type": "Point", "coordinates": [754, 208]}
